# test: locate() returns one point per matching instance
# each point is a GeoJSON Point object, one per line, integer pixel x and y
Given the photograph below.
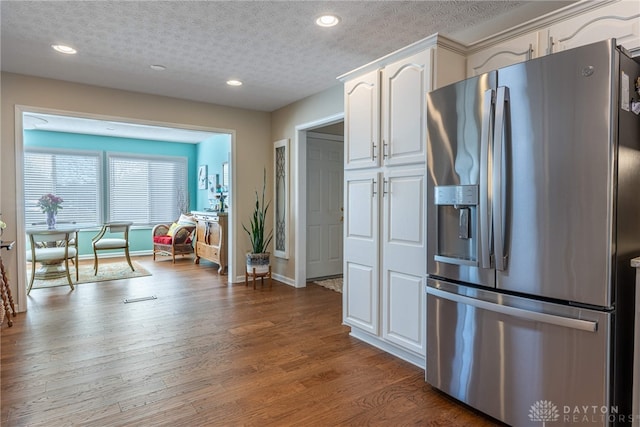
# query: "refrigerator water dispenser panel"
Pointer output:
{"type": "Point", "coordinates": [457, 211]}
{"type": "Point", "coordinates": [456, 195]}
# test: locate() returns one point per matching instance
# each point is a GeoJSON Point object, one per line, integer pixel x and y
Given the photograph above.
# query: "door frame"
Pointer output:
{"type": "Point", "coordinates": [19, 159]}
{"type": "Point", "coordinates": [300, 193]}
{"type": "Point", "coordinates": [331, 138]}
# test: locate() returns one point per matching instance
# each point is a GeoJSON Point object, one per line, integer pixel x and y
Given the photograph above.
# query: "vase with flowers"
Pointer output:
{"type": "Point", "coordinates": [50, 204]}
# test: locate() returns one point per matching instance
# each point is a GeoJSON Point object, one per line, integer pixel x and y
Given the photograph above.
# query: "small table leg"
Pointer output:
{"type": "Point", "coordinates": [262, 276]}
{"type": "Point", "coordinates": [5, 292]}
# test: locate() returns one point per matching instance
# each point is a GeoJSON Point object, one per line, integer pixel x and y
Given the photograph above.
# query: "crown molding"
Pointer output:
{"type": "Point", "coordinates": [434, 40]}
{"type": "Point", "coordinates": [541, 22]}
{"type": "Point", "coordinates": [438, 40]}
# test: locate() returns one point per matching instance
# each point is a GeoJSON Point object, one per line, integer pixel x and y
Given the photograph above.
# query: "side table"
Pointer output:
{"type": "Point", "coordinates": [253, 274]}
{"type": "Point", "coordinates": [5, 290]}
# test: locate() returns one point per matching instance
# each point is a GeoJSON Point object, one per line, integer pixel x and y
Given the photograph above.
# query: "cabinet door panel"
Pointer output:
{"type": "Point", "coordinates": [362, 121]}
{"type": "Point", "coordinates": [404, 319]}
{"type": "Point", "coordinates": [361, 251]}
{"type": "Point", "coordinates": [361, 297]}
{"type": "Point", "coordinates": [404, 86]}
{"type": "Point", "coordinates": [404, 258]}
{"type": "Point", "coordinates": [404, 221]}
{"type": "Point", "coordinates": [620, 20]}
{"type": "Point", "coordinates": [510, 52]}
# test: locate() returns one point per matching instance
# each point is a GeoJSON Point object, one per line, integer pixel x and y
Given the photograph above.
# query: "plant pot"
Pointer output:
{"type": "Point", "coordinates": [259, 261]}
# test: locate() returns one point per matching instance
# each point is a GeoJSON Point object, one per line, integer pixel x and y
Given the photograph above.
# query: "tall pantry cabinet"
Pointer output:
{"type": "Point", "coordinates": [385, 206]}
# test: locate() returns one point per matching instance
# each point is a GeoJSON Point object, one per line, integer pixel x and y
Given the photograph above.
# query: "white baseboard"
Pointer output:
{"type": "Point", "coordinates": [419, 361]}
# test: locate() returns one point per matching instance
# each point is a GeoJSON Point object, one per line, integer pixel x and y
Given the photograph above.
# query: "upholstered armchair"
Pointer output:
{"type": "Point", "coordinates": [174, 239]}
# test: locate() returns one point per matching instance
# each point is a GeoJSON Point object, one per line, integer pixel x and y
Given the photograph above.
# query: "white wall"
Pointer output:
{"type": "Point", "coordinates": [283, 125]}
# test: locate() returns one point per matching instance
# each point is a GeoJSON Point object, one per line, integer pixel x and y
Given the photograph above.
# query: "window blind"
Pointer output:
{"type": "Point", "coordinates": [145, 190]}
{"type": "Point", "coordinates": [73, 176]}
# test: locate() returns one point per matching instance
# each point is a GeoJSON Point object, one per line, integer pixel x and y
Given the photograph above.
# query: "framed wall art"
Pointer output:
{"type": "Point", "coordinates": [281, 196]}
{"type": "Point", "coordinates": [202, 177]}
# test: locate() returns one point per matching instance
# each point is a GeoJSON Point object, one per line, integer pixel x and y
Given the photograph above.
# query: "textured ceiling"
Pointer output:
{"type": "Point", "coordinates": [273, 47]}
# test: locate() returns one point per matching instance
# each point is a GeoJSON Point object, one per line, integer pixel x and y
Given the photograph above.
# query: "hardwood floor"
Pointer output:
{"type": "Point", "coordinates": [204, 353]}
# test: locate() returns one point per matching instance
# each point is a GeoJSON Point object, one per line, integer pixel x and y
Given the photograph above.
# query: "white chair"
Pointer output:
{"type": "Point", "coordinates": [52, 247]}
{"type": "Point", "coordinates": [102, 243]}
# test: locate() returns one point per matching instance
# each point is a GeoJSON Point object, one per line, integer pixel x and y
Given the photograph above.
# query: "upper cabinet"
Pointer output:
{"type": "Point", "coordinates": [619, 20]}
{"type": "Point", "coordinates": [579, 24]}
{"type": "Point", "coordinates": [385, 104]}
{"type": "Point", "coordinates": [404, 86]}
{"type": "Point", "coordinates": [509, 52]}
{"type": "Point", "coordinates": [362, 121]}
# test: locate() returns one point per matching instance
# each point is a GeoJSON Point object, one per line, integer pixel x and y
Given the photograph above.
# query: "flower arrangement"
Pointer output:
{"type": "Point", "coordinates": [3, 225]}
{"type": "Point", "coordinates": [50, 203]}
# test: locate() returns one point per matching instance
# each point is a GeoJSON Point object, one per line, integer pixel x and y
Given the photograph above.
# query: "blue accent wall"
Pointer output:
{"type": "Point", "coordinates": [212, 152]}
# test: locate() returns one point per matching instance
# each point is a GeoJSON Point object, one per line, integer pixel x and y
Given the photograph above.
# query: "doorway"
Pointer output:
{"type": "Point", "coordinates": [333, 125]}
{"type": "Point", "coordinates": [325, 171]}
{"type": "Point", "coordinates": [21, 123]}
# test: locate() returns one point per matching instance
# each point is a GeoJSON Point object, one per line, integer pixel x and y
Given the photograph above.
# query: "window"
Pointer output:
{"type": "Point", "coordinates": [74, 176]}
{"type": "Point", "coordinates": [145, 190]}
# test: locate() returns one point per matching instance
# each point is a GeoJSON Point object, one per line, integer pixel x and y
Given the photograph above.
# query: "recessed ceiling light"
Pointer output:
{"type": "Point", "coordinates": [234, 82]}
{"type": "Point", "coordinates": [328, 20]}
{"type": "Point", "coordinates": [157, 67]}
{"type": "Point", "coordinates": [64, 49]}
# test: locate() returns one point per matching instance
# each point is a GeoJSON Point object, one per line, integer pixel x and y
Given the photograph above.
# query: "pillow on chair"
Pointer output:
{"type": "Point", "coordinates": [162, 240]}
{"type": "Point", "coordinates": [172, 229]}
{"type": "Point", "coordinates": [186, 220]}
{"type": "Point", "coordinates": [183, 236]}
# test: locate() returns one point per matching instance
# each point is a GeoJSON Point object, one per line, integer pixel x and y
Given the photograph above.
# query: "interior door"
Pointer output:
{"type": "Point", "coordinates": [324, 206]}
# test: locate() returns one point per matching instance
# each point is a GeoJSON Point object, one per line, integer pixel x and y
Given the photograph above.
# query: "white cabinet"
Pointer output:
{"type": "Point", "coordinates": [361, 251]}
{"type": "Point", "coordinates": [619, 20]}
{"type": "Point", "coordinates": [387, 121]}
{"type": "Point", "coordinates": [362, 121]}
{"type": "Point", "coordinates": [404, 86]}
{"type": "Point", "coordinates": [391, 202]}
{"type": "Point", "coordinates": [404, 258]}
{"type": "Point", "coordinates": [586, 23]}
{"type": "Point", "coordinates": [509, 52]}
{"type": "Point", "coordinates": [385, 164]}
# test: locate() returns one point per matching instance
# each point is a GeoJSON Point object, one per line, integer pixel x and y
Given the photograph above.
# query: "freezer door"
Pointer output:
{"type": "Point", "coordinates": [556, 188]}
{"type": "Point", "coordinates": [507, 356]}
{"type": "Point", "coordinates": [459, 125]}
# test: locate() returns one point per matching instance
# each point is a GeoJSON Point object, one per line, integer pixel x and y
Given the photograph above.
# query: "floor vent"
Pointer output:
{"type": "Point", "coordinates": [128, 300]}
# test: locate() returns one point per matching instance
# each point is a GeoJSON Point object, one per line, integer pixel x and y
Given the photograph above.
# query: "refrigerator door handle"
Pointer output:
{"type": "Point", "coordinates": [502, 98]}
{"type": "Point", "coordinates": [535, 316]}
{"type": "Point", "coordinates": [484, 207]}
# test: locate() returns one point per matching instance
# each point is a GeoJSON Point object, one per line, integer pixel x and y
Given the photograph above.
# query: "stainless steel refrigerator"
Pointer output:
{"type": "Point", "coordinates": [533, 216]}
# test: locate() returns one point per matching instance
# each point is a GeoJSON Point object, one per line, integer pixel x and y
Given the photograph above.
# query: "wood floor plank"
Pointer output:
{"type": "Point", "coordinates": [204, 353]}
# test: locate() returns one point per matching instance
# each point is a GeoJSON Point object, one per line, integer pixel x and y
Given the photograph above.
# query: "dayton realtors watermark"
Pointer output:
{"type": "Point", "coordinates": [545, 411]}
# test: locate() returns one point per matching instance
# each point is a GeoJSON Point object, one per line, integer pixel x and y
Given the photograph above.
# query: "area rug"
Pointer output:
{"type": "Point", "coordinates": [335, 284]}
{"type": "Point", "coordinates": [106, 271]}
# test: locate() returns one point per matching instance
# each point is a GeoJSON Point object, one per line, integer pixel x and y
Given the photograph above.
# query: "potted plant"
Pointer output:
{"type": "Point", "coordinates": [259, 258]}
